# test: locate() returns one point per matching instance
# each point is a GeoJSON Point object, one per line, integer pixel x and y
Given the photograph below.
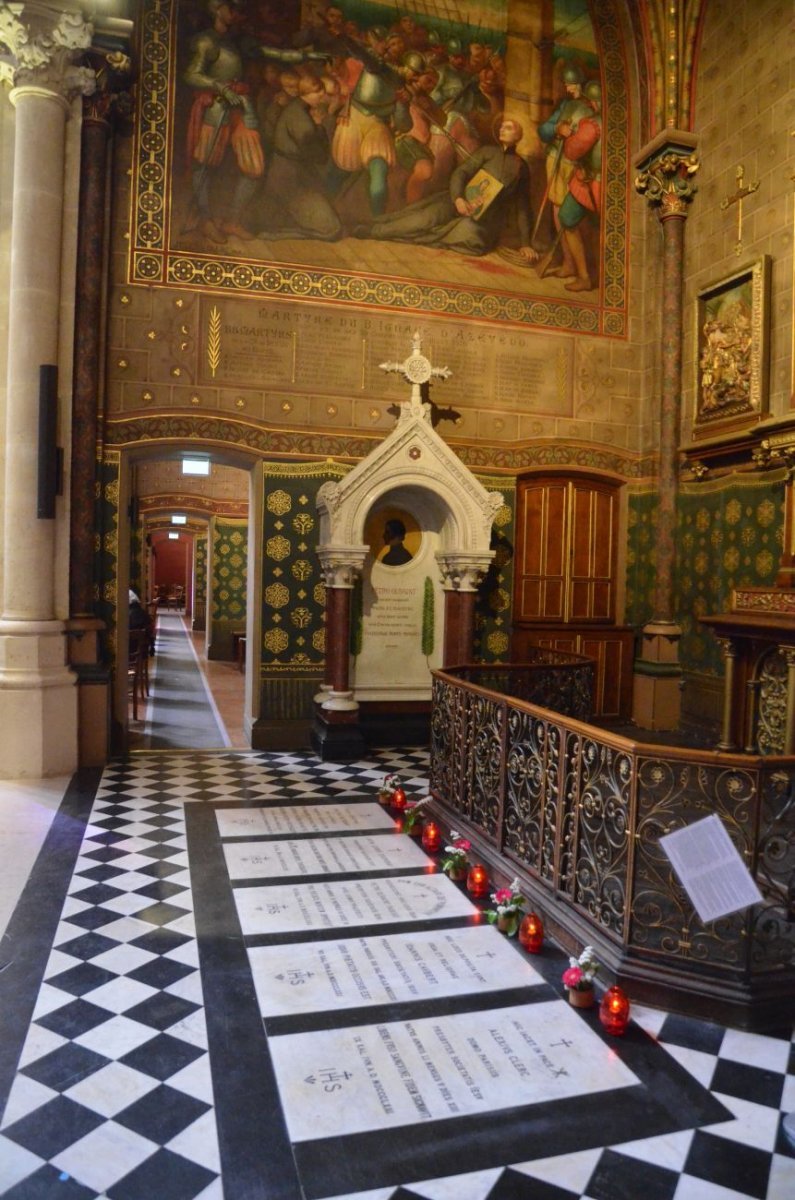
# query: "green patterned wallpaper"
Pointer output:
{"type": "Point", "coordinates": [495, 595]}
{"type": "Point", "coordinates": [106, 546]}
{"type": "Point", "coordinates": [293, 594]}
{"type": "Point", "coordinates": [229, 568]}
{"type": "Point", "coordinates": [641, 557]}
{"type": "Point", "coordinates": [729, 535]}
{"type": "Point", "coordinates": [200, 582]}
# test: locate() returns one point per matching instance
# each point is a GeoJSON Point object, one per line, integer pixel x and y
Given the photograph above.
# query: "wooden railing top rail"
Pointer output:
{"type": "Point", "coordinates": [607, 737]}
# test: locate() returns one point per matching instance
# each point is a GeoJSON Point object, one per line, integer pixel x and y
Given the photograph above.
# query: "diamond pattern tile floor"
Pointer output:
{"type": "Point", "coordinates": [117, 1085]}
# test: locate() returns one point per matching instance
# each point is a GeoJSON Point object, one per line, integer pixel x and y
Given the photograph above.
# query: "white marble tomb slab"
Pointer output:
{"type": "Point", "coordinates": [341, 1081]}
{"type": "Point", "coordinates": [388, 968]}
{"type": "Point", "coordinates": [323, 856]}
{"type": "Point", "coordinates": [302, 906]}
{"type": "Point", "coordinates": [301, 818]}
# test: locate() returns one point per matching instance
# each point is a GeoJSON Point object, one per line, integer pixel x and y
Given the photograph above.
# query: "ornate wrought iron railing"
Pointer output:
{"type": "Point", "coordinates": [577, 813]}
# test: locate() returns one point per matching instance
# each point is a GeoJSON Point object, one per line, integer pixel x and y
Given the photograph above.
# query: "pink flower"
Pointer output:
{"type": "Point", "coordinates": [462, 844]}
{"type": "Point", "coordinates": [572, 977]}
{"type": "Point", "coordinates": [503, 896]}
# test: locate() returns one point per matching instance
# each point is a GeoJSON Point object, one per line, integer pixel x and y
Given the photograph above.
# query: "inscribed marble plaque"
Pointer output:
{"type": "Point", "coordinates": [301, 818]}
{"type": "Point", "coordinates": [301, 906]}
{"type": "Point", "coordinates": [323, 856]}
{"type": "Point", "coordinates": [385, 969]}
{"type": "Point", "coordinates": [331, 353]}
{"type": "Point", "coordinates": [340, 1081]}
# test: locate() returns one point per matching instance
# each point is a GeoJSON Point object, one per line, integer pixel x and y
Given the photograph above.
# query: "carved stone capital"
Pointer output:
{"type": "Point", "coordinates": [728, 647]}
{"type": "Point", "coordinates": [341, 565]}
{"type": "Point", "coordinates": [463, 572]}
{"type": "Point", "coordinates": [45, 43]}
{"type": "Point", "coordinates": [777, 452]}
{"type": "Point", "coordinates": [666, 179]}
{"type": "Point", "coordinates": [111, 99]}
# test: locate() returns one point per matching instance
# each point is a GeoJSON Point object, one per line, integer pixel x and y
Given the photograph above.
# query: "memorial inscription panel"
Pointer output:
{"type": "Point", "coordinates": [402, 1073]}
{"type": "Point", "coordinates": [277, 821]}
{"type": "Point", "coordinates": [280, 859]}
{"type": "Point", "coordinates": [386, 969]}
{"type": "Point", "coordinates": [327, 352]}
{"type": "Point", "coordinates": [343, 905]}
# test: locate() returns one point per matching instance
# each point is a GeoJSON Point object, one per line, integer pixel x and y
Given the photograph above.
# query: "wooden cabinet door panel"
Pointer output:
{"type": "Point", "coordinates": [592, 520]}
{"type": "Point", "coordinates": [542, 556]}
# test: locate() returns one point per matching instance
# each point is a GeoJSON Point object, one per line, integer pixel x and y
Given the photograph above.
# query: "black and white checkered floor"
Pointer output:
{"type": "Point", "coordinates": [166, 1033]}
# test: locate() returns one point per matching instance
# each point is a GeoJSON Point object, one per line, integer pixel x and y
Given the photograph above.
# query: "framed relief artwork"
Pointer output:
{"type": "Point", "coordinates": [732, 323]}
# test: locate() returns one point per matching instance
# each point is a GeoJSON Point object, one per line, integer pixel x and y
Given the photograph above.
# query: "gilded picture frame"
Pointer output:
{"type": "Point", "coordinates": [732, 350]}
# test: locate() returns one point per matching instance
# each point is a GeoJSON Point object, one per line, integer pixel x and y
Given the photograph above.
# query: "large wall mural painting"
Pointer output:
{"type": "Point", "coordinates": [467, 159]}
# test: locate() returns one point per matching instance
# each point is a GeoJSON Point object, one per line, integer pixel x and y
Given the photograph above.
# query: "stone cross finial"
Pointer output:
{"type": "Point", "coordinates": [416, 370]}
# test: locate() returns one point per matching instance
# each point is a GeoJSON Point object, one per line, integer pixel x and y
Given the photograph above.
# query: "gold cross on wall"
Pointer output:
{"type": "Point", "coordinates": [737, 199]}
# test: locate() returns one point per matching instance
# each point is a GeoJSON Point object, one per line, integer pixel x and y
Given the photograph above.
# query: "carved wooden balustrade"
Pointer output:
{"type": "Point", "coordinates": [577, 813]}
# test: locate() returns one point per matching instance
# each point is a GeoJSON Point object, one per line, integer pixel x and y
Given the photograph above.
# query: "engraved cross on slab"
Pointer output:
{"type": "Point", "coordinates": [737, 198]}
{"type": "Point", "coordinates": [416, 370]}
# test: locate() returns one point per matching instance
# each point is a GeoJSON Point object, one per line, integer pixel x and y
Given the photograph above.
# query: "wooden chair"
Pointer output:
{"type": "Point", "coordinates": [138, 667]}
{"type": "Point", "coordinates": [151, 608]}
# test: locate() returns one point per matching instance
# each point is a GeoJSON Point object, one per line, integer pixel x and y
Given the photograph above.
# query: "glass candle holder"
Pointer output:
{"type": "Point", "coordinates": [531, 933]}
{"type": "Point", "coordinates": [478, 880]}
{"type": "Point", "coordinates": [431, 836]}
{"type": "Point", "coordinates": [399, 799]}
{"type": "Point", "coordinates": [614, 1011]}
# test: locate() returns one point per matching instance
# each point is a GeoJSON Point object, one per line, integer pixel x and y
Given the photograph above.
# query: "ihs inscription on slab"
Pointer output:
{"type": "Point", "coordinates": [339, 1081]}
{"type": "Point", "coordinates": [386, 969]}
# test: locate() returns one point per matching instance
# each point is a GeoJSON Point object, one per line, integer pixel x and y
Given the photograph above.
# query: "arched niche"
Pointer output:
{"type": "Point", "coordinates": [412, 470]}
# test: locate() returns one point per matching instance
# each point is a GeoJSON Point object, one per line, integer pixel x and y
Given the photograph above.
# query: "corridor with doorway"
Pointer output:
{"type": "Point", "coordinates": [194, 703]}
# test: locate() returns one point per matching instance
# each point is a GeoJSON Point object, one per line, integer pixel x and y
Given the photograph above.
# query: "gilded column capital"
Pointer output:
{"type": "Point", "coordinates": [462, 572]}
{"type": "Point", "coordinates": [666, 170]}
{"type": "Point", "coordinates": [341, 565]}
{"type": "Point", "coordinates": [668, 182]}
{"type": "Point", "coordinates": [45, 44]}
{"type": "Point", "coordinates": [111, 97]}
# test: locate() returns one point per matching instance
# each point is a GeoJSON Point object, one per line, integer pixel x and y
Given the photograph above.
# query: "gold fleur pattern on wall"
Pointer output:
{"type": "Point", "coordinates": [303, 523]}
{"type": "Point", "coordinates": [277, 548]}
{"type": "Point", "coordinates": [278, 502]}
{"type": "Point", "coordinates": [497, 643]}
{"type": "Point", "coordinates": [275, 640]}
{"type": "Point", "coordinates": [301, 569]}
{"type": "Point", "coordinates": [277, 595]}
{"type": "Point", "coordinates": [300, 617]}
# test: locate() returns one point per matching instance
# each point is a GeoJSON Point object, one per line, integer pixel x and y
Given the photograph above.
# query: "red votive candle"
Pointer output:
{"type": "Point", "coordinates": [614, 1011]}
{"type": "Point", "coordinates": [478, 880]}
{"type": "Point", "coordinates": [531, 933]}
{"type": "Point", "coordinates": [398, 799]}
{"type": "Point", "coordinates": [431, 836]}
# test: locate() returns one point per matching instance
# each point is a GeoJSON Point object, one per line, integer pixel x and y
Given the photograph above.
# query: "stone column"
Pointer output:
{"type": "Point", "coordinates": [666, 169]}
{"type": "Point", "coordinates": [38, 700]}
{"type": "Point", "coordinates": [84, 628]}
{"type": "Point", "coordinates": [461, 574]}
{"type": "Point", "coordinates": [729, 651]}
{"type": "Point", "coordinates": [789, 716]}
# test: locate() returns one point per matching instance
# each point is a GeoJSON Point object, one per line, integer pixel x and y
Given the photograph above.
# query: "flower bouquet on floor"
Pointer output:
{"type": "Point", "coordinates": [456, 859]}
{"type": "Point", "coordinates": [507, 912]}
{"type": "Point", "coordinates": [388, 786]}
{"type": "Point", "coordinates": [579, 976]}
{"type": "Point", "coordinates": [412, 816]}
